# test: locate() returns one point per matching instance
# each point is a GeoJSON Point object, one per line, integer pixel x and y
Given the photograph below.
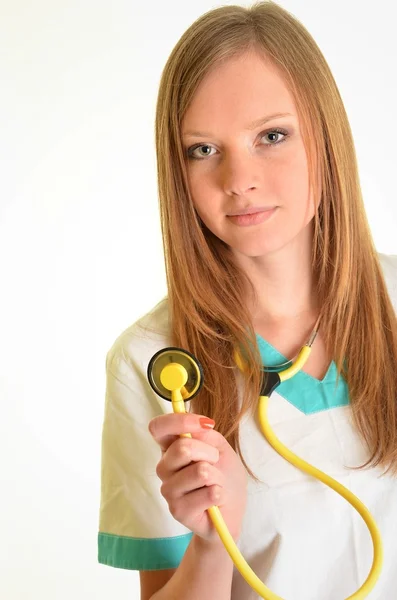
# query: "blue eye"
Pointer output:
{"type": "Point", "coordinates": [278, 132]}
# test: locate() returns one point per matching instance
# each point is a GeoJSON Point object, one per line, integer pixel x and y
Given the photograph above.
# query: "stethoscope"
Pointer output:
{"type": "Point", "coordinates": [176, 375]}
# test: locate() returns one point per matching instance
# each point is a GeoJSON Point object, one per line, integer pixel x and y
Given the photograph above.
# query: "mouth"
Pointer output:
{"type": "Point", "coordinates": [251, 210]}
{"type": "Point", "coordinates": [249, 219]}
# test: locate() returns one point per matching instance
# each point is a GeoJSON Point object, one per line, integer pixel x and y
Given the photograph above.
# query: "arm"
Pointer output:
{"type": "Point", "coordinates": [205, 571]}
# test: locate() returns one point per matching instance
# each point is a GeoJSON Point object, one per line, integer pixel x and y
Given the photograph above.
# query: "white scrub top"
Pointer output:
{"type": "Point", "coordinates": [302, 539]}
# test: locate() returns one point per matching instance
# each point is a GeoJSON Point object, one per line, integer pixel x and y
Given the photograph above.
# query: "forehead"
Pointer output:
{"type": "Point", "coordinates": [237, 92]}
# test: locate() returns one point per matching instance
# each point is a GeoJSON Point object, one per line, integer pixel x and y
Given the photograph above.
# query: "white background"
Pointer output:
{"type": "Point", "coordinates": [80, 246]}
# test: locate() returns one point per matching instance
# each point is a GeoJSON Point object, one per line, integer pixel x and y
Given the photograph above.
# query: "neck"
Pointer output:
{"type": "Point", "coordinates": [284, 284]}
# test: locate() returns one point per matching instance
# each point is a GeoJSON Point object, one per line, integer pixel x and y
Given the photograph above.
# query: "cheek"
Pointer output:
{"type": "Point", "coordinates": [293, 183]}
{"type": "Point", "coordinates": [294, 167]}
{"type": "Point", "coordinates": [202, 189]}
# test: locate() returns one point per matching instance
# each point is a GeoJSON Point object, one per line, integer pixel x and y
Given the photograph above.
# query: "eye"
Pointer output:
{"type": "Point", "coordinates": [189, 151]}
{"type": "Point", "coordinates": [276, 132]}
{"type": "Point", "coordinates": [207, 147]}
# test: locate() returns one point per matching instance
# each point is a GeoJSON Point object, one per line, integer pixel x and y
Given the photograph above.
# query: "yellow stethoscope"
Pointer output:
{"type": "Point", "coordinates": [176, 375]}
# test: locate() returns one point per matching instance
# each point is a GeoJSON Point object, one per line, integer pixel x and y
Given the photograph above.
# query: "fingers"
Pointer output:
{"type": "Point", "coordinates": [185, 509]}
{"type": "Point", "coordinates": [166, 428]}
{"type": "Point", "coordinates": [184, 451]}
{"type": "Point", "coordinates": [193, 477]}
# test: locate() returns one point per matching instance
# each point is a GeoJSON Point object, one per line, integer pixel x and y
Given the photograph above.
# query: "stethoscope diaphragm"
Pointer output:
{"type": "Point", "coordinates": [190, 363]}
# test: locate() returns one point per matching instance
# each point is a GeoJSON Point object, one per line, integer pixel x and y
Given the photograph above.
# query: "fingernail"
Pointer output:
{"type": "Point", "coordinates": [206, 422]}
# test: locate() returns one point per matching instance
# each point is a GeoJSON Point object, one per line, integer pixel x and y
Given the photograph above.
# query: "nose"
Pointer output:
{"type": "Point", "coordinates": [239, 175]}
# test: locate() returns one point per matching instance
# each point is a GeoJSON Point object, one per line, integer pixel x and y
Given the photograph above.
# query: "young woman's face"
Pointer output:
{"type": "Point", "coordinates": [234, 165]}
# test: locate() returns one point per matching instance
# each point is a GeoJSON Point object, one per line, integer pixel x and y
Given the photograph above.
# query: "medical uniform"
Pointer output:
{"type": "Point", "coordinates": [302, 539]}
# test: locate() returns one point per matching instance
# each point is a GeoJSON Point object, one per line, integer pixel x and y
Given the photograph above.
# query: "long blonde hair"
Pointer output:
{"type": "Point", "coordinates": [205, 286]}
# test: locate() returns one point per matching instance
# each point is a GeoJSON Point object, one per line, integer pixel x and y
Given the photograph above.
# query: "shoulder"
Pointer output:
{"type": "Point", "coordinates": [136, 344]}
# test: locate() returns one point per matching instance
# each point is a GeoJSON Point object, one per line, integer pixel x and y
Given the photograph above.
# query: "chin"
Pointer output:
{"type": "Point", "coordinates": [256, 250]}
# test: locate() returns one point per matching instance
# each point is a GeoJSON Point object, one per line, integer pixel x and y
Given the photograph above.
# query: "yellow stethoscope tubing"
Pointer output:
{"type": "Point", "coordinates": [216, 516]}
{"type": "Point", "coordinates": [227, 539]}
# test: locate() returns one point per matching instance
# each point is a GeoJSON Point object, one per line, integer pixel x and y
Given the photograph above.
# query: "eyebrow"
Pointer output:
{"type": "Point", "coordinates": [250, 127]}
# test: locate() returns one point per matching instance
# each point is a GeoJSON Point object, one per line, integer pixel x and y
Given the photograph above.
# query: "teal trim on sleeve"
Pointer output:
{"type": "Point", "coordinates": [306, 393]}
{"type": "Point", "coordinates": [142, 554]}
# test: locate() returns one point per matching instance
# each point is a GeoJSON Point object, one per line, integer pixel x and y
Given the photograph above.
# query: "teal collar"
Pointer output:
{"type": "Point", "coordinates": [306, 393]}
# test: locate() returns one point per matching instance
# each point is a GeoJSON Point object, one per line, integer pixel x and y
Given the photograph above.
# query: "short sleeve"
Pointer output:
{"type": "Point", "coordinates": [136, 528]}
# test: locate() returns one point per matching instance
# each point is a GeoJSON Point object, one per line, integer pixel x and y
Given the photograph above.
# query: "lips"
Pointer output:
{"type": "Point", "coordinates": [251, 210]}
{"type": "Point", "coordinates": [253, 218]}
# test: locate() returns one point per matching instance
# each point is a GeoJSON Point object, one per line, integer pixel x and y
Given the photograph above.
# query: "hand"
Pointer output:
{"type": "Point", "coordinates": [199, 472]}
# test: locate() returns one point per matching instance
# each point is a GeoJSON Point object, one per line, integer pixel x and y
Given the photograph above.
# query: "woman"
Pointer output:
{"type": "Point", "coordinates": [249, 120]}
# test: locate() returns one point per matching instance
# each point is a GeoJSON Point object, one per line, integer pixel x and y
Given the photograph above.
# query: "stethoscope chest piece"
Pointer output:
{"type": "Point", "coordinates": [188, 367]}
